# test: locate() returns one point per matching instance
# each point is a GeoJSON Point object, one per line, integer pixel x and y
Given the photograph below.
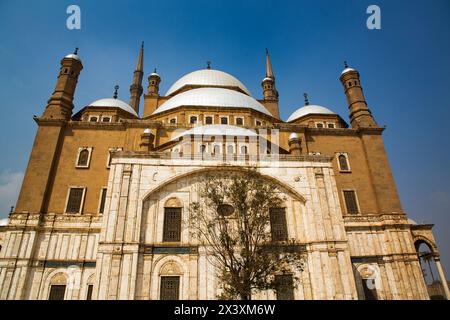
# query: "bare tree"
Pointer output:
{"type": "Point", "coordinates": [232, 221]}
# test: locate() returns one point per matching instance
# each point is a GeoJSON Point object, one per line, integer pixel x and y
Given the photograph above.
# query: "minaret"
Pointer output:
{"type": "Point", "coordinates": [269, 89]}
{"type": "Point", "coordinates": [136, 87]}
{"type": "Point", "coordinates": [153, 83]}
{"type": "Point", "coordinates": [60, 104]}
{"type": "Point", "coordinates": [360, 115]}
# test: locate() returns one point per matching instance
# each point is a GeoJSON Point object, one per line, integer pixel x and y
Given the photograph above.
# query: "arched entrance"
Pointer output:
{"type": "Point", "coordinates": [431, 269]}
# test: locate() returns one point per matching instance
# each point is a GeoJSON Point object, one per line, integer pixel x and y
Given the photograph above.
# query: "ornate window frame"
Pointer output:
{"type": "Point", "coordinates": [345, 154]}
{"type": "Point", "coordinates": [345, 202]}
{"type": "Point", "coordinates": [208, 115]}
{"type": "Point", "coordinates": [89, 149]}
{"type": "Point", "coordinates": [196, 117]}
{"type": "Point", "coordinates": [239, 117]}
{"type": "Point", "coordinates": [80, 211]}
{"type": "Point", "coordinates": [224, 117]}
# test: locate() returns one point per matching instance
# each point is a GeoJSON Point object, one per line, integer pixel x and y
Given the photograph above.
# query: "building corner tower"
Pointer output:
{"type": "Point", "coordinates": [60, 104]}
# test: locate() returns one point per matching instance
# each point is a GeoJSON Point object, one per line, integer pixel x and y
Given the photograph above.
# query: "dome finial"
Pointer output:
{"type": "Point", "coordinates": [208, 65]}
{"type": "Point", "coordinates": [116, 91]}
{"type": "Point", "coordinates": [306, 99]}
{"type": "Point", "coordinates": [154, 70]}
{"type": "Point", "coordinates": [345, 64]}
{"type": "Point", "coordinates": [142, 45]}
{"type": "Point", "coordinates": [76, 51]}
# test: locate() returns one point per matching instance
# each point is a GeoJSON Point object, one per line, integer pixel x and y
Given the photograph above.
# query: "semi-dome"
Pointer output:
{"type": "Point", "coordinates": [110, 102]}
{"type": "Point", "coordinates": [207, 77]}
{"type": "Point", "coordinates": [212, 97]}
{"type": "Point", "coordinates": [309, 109]}
{"type": "Point", "coordinates": [217, 130]}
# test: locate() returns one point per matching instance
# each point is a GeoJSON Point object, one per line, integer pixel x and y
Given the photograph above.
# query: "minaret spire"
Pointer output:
{"type": "Point", "coordinates": [269, 89]}
{"type": "Point", "coordinates": [136, 86]}
{"type": "Point", "coordinates": [269, 71]}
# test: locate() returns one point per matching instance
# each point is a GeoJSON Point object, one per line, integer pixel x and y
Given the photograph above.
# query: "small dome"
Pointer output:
{"type": "Point", "coordinates": [73, 56]}
{"type": "Point", "coordinates": [347, 70]}
{"type": "Point", "coordinates": [293, 136]}
{"type": "Point", "coordinates": [212, 97]}
{"type": "Point", "coordinates": [115, 103]}
{"type": "Point", "coordinates": [218, 130]}
{"type": "Point", "coordinates": [4, 222]}
{"type": "Point", "coordinates": [154, 74]}
{"type": "Point", "coordinates": [207, 77]}
{"type": "Point", "coordinates": [309, 109]}
{"type": "Point", "coordinates": [147, 130]}
{"type": "Point", "coordinates": [267, 79]}
{"type": "Point", "coordinates": [411, 221]}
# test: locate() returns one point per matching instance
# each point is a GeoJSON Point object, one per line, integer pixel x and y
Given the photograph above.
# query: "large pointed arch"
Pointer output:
{"type": "Point", "coordinates": [197, 172]}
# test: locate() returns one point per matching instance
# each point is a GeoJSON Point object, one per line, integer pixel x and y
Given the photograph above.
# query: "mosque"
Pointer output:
{"type": "Point", "coordinates": [103, 211]}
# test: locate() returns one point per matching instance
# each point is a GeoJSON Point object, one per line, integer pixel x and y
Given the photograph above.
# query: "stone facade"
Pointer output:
{"type": "Point", "coordinates": [113, 247]}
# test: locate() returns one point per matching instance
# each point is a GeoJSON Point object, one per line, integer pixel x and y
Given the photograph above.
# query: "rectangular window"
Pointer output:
{"type": "Point", "coordinates": [351, 202]}
{"type": "Point", "coordinates": [319, 125]}
{"type": "Point", "coordinates": [330, 125]}
{"type": "Point", "coordinates": [57, 292]}
{"type": "Point", "coordinates": [173, 121]}
{"type": "Point", "coordinates": [102, 200]}
{"type": "Point", "coordinates": [93, 119]}
{"type": "Point", "coordinates": [106, 119]}
{"type": "Point", "coordinates": [172, 225]}
{"type": "Point", "coordinates": [170, 288]}
{"type": "Point", "coordinates": [223, 120]}
{"type": "Point", "coordinates": [239, 121]}
{"type": "Point", "coordinates": [284, 287]}
{"type": "Point", "coordinates": [208, 120]}
{"type": "Point", "coordinates": [193, 120]}
{"type": "Point", "coordinates": [89, 292]}
{"type": "Point", "coordinates": [258, 123]}
{"type": "Point", "coordinates": [75, 200]}
{"type": "Point", "coordinates": [278, 225]}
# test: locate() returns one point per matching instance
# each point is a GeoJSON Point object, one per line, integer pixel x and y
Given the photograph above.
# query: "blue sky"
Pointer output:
{"type": "Point", "coordinates": [405, 70]}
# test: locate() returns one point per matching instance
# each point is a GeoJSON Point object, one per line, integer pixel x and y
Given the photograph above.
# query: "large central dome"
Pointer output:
{"type": "Point", "coordinates": [212, 97]}
{"type": "Point", "coordinates": [208, 78]}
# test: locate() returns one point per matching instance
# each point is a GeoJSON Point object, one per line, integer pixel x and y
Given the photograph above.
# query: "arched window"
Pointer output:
{"type": "Point", "coordinates": [193, 120]}
{"type": "Point", "coordinates": [216, 149]}
{"type": "Point", "coordinates": [170, 281]}
{"type": "Point", "coordinates": [230, 149]}
{"type": "Point", "coordinates": [203, 148]}
{"type": "Point", "coordinates": [57, 287]}
{"type": "Point", "coordinates": [244, 149]}
{"type": "Point", "coordinates": [84, 155]}
{"type": "Point", "coordinates": [343, 163]}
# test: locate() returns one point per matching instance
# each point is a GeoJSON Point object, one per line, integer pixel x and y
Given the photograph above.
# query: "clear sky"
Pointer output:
{"type": "Point", "coordinates": [405, 71]}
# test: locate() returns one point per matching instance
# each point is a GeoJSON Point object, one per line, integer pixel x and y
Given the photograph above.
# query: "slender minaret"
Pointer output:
{"type": "Point", "coordinates": [136, 87]}
{"type": "Point", "coordinates": [360, 115]}
{"type": "Point", "coordinates": [268, 83]}
{"type": "Point", "coordinates": [60, 104]}
{"type": "Point", "coordinates": [269, 89]}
